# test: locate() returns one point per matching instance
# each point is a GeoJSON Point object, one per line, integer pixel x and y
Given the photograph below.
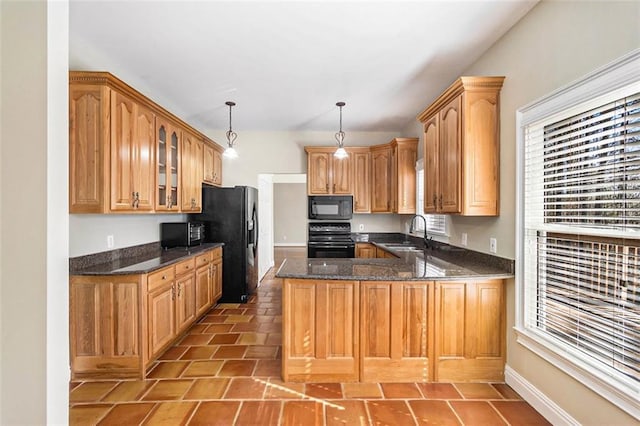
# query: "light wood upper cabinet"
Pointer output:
{"type": "Point", "coordinates": [191, 157]}
{"type": "Point", "coordinates": [462, 148]}
{"type": "Point", "coordinates": [470, 328]}
{"type": "Point", "coordinates": [124, 151]}
{"type": "Point", "coordinates": [361, 179]}
{"type": "Point", "coordinates": [212, 164]}
{"type": "Point", "coordinates": [320, 330]}
{"type": "Point", "coordinates": [328, 175]}
{"type": "Point", "coordinates": [89, 109]}
{"type": "Point", "coordinates": [168, 165]}
{"type": "Point", "coordinates": [395, 330]}
{"type": "Point", "coordinates": [132, 155]}
{"type": "Point", "coordinates": [406, 155]}
{"type": "Point", "coordinates": [381, 180]}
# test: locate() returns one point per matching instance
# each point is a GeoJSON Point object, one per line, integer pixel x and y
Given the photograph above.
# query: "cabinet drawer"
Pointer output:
{"type": "Point", "coordinates": [160, 277]}
{"type": "Point", "coordinates": [216, 253]}
{"type": "Point", "coordinates": [203, 259]}
{"type": "Point", "coordinates": [186, 266]}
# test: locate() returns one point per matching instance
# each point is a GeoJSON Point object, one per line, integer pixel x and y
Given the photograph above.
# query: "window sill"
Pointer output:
{"type": "Point", "coordinates": [619, 392]}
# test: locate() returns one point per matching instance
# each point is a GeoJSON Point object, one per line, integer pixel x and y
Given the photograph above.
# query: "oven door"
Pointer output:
{"type": "Point", "coordinates": [322, 249]}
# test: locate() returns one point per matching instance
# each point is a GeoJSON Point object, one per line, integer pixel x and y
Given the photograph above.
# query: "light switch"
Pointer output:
{"type": "Point", "coordinates": [493, 245]}
{"type": "Point", "coordinates": [110, 242]}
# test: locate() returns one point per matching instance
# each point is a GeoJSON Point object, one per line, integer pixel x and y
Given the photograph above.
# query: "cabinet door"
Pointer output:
{"type": "Point", "coordinates": [168, 143]}
{"type": "Point", "coordinates": [204, 297]}
{"type": "Point", "coordinates": [104, 315]}
{"type": "Point", "coordinates": [217, 167]}
{"type": "Point", "coordinates": [450, 158]}
{"type": "Point", "coordinates": [318, 172]}
{"type": "Point", "coordinates": [365, 250]}
{"type": "Point", "coordinates": [431, 191]}
{"type": "Point", "coordinates": [132, 155]}
{"type": "Point", "coordinates": [470, 327]}
{"type": "Point", "coordinates": [192, 159]}
{"type": "Point", "coordinates": [406, 156]}
{"type": "Point", "coordinates": [216, 280]}
{"type": "Point", "coordinates": [395, 331]}
{"type": "Point", "coordinates": [362, 185]}
{"type": "Point", "coordinates": [381, 181]}
{"type": "Point", "coordinates": [320, 331]}
{"type": "Point", "coordinates": [341, 175]}
{"type": "Point", "coordinates": [208, 157]}
{"type": "Point", "coordinates": [161, 322]}
{"type": "Point", "coordinates": [88, 149]}
{"type": "Point", "coordinates": [185, 302]}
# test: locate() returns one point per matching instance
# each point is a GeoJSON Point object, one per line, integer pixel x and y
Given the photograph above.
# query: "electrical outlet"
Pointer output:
{"type": "Point", "coordinates": [493, 245]}
{"type": "Point", "coordinates": [361, 227]}
{"type": "Point", "coordinates": [284, 237]}
{"type": "Point", "coordinates": [110, 242]}
{"type": "Point", "coordinates": [463, 239]}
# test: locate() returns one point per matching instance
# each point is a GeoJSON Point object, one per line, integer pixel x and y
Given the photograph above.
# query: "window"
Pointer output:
{"type": "Point", "coordinates": [436, 223]}
{"type": "Point", "coordinates": [579, 232]}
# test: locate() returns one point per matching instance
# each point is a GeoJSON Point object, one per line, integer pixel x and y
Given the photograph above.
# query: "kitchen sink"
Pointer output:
{"type": "Point", "coordinates": [405, 246]}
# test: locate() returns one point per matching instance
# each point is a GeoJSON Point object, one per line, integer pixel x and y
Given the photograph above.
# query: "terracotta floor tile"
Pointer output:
{"type": "Point", "coordinates": [245, 327]}
{"type": "Point", "coordinates": [274, 311]}
{"type": "Point", "coordinates": [165, 390]}
{"type": "Point", "coordinates": [324, 390]}
{"type": "Point", "coordinates": [213, 319]}
{"type": "Point", "coordinates": [207, 388]}
{"type": "Point", "coordinates": [439, 391]}
{"type": "Point", "coordinates": [73, 385]}
{"type": "Point", "coordinates": [81, 415]}
{"type": "Point", "coordinates": [203, 368]}
{"type": "Point", "coordinates": [225, 339]}
{"type": "Point", "coordinates": [212, 413]}
{"type": "Point", "coordinates": [385, 412]}
{"type": "Point", "coordinates": [277, 389]}
{"type": "Point", "coordinates": [241, 388]}
{"type": "Point", "coordinates": [219, 328]}
{"type": "Point", "coordinates": [231, 319]}
{"type": "Point", "coordinates": [195, 339]}
{"type": "Point", "coordinates": [361, 390]}
{"type": "Point", "coordinates": [267, 413]}
{"type": "Point", "coordinates": [303, 413]}
{"type": "Point", "coordinates": [270, 327]}
{"type": "Point", "coordinates": [228, 305]}
{"type": "Point", "coordinates": [428, 412]}
{"type": "Point", "coordinates": [252, 339]}
{"type": "Point", "coordinates": [198, 329]}
{"type": "Point", "coordinates": [91, 391]}
{"type": "Point", "coordinates": [171, 413]}
{"type": "Point", "coordinates": [235, 311]}
{"type": "Point", "coordinates": [263, 319]}
{"type": "Point", "coordinates": [173, 353]}
{"type": "Point", "coordinates": [506, 391]}
{"type": "Point", "coordinates": [400, 390]}
{"type": "Point", "coordinates": [476, 413]}
{"type": "Point", "coordinates": [346, 412]}
{"type": "Point", "coordinates": [237, 368]}
{"type": "Point", "coordinates": [215, 311]}
{"type": "Point", "coordinates": [268, 367]}
{"type": "Point", "coordinates": [274, 339]}
{"type": "Point", "coordinates": [519, 413]}
{"type": "Point", "coordinates": [199, 352]}
{"type": "Point", "coordinates": [127, 414]}
{"type": "Point", "coordinates": [261, 351]}
{"type": "Point", "coordinates": [168, 370]}
{"type": "Point", "coordinates": [230, 351]}
{"type": "Point", "coordinates": [477, 391]}
{"type": "Point", "coordinates": [129, 391]}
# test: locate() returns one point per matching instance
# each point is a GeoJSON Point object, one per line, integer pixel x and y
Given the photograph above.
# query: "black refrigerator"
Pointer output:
{"type": "Point", "coordinates": [230, 216]}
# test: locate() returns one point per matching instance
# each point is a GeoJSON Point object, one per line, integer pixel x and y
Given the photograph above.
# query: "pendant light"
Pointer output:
{"type": "Point", "coordinates": [340, 152]}
{"type": "Point", "coordinates": [230, 152]}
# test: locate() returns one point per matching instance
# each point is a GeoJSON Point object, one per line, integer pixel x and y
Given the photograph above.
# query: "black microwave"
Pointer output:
{"type": "Point", "coordinates": [181, 234]}
{"type": "Point", "coordinates": [330, 207]}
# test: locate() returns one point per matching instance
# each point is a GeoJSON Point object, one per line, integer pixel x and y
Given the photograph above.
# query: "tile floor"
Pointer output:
{"type": "Point", "coordinates": [226, 371]}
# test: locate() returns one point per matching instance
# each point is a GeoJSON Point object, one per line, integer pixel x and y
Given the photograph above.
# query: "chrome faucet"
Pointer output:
{"type": "Point", "coordinates": [427, 241]}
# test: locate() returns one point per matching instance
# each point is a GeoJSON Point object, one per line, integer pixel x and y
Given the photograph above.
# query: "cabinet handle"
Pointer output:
{"type": "Point", "coordinates": [327, 187]}
{"type": "Point", "coordinates": [334, 188]}
{"type": "Point", "coordinates": [435, 201]}
{"type": "Point", "coordinates": [179, 289]}
{"type": "Point", "coordinates": [440, 201]}
{"type": "Point", "coordinates": [173, 292]}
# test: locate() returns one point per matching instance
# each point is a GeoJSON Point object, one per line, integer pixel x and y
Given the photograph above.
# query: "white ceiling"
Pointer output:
{"type": "Point", "coordinates": [286, 64]}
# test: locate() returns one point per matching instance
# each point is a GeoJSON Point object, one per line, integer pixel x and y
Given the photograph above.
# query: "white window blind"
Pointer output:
{"type": "Point", "coordinates": [581, 234]}
{"type": "Point", "coordinates": [436, 223]}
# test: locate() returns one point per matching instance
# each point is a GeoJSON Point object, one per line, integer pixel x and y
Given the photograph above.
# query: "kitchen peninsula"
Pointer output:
{"type": "Point", "coordinates": [430, 315]}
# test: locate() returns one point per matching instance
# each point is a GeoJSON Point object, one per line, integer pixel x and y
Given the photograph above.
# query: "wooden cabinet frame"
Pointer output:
{"type": "Point", "coordinates": [328, 175]}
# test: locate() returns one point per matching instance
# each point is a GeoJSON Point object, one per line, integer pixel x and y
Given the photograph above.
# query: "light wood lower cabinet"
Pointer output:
{"type": "Point", "coordinates": [320, 331]}
{"type": "Point", "coordinates": [120, 323]}
{"type": "Point", "coordinates": [393, 331]}
{"type": "Point", "coordinates": [365, 250]}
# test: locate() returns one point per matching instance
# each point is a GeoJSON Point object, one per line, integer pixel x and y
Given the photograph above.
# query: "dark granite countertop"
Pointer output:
{"type": "Point", "coordinates": [445, 262]}
{"type": "Point", "coordinates": [148, 261]}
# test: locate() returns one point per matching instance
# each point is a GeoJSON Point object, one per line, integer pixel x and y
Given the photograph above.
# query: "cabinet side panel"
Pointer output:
{"type": "Point", "coordinates": [489, 320]}
{"type": "Point", "coordinates": [85, 317]}
{"type": "Point", "coordinates": [340, 321]}
{"type": "Point", "coordinates": [126, 314]}
{"type": "Point", "coordinates": [302, 321]}
{"type": "Point", "coordinates": [451, 310]}
{"type": "Point", "coordinates": [414, 321]}
{"type": "Point", "coordinates": [377, 321]}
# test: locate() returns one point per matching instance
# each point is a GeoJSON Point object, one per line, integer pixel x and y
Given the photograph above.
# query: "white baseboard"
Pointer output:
{"type": "Point", "coordinates": [290, 245]}
{"type": "Point", "coordinates": [543, 405]}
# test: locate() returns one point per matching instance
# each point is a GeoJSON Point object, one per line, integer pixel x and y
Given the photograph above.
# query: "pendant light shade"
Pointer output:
{"type": "Point", "coordinates": [340, 152]}
{"type": "Point", "coordinates": [230, 152]}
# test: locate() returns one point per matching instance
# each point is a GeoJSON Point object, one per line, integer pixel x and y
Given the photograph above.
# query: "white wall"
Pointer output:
{"type": "Point", "coordinates": [34, 366]}
{"type": "Point", "coordinates": [556, 43]}
{"type": "Point", "coordinates": [290, 214]}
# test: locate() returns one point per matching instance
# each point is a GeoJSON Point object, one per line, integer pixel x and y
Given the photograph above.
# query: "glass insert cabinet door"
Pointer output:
{"type": "Point", "coordinates": [168, 142]}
